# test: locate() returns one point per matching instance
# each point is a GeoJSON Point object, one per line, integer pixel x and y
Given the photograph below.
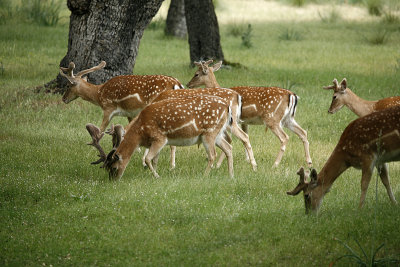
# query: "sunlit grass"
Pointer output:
{"type": "Point", "coordinates": [57, 209]}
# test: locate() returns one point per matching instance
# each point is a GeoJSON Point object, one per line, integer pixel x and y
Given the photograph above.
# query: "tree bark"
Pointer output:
{"type": "Point", "coordinates": [176, 21]}
{"type": "Point", "coordinates": [203, 31]}
{"type": "Point", "coordinates": [106, 30]}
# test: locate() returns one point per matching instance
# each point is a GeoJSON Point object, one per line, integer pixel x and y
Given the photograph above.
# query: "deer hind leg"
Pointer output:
{"type": "Point", "coordinates": [283, 138]}
{"type": "Point", "coordinates": [239, 133]}
{"type": "Point", "coordinates": [227, 149]}
{"type": "Point", "coordinates": [384, 174]}
{"type": "Point", "coordinates": [222, 156]}
{"type": "Point", "coordinates": [154, 150]}
{"type": "Point", "coordinates": [302, 134]}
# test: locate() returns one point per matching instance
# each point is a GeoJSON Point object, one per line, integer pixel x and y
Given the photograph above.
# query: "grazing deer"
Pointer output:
{"type": "Point", "coordinates": [343, 96]}
{"type": "Point", "coordinates": [271, 106]}
{"type": "Point", "coordinates": [367, 142]}
{"type": "Point", "coordinates": [124, 95]}
{"type": "Point", "coordinates": [235, 103]}
{"type": "Point", "coordinates": [178, 122]}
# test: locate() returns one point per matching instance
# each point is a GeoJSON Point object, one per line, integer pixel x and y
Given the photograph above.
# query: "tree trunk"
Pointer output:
{"type": "Point", "coordinates": [203, 30]}
{"type": "Point", "coordinates": [176, 21]}
{"type": "Point", "coordinates": [106, 30]}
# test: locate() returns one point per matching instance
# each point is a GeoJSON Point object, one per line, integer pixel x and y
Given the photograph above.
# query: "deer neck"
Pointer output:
{"type": "Point", "coordinates": [359, 106]}
{"type": "Point", "coordinates": [89, 92]}
{"type": "Point", "coordinates": [332, 169]}
{"type": "Point", "coordinates": [211, 81]}
{"type": "Point", "coordinates": [132, 140]}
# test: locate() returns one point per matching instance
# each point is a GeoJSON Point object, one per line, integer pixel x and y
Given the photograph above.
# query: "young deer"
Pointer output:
{"type": "Point", "coordinates": [343, 96]}
{"type": "Point", "coordinates": [124, 95]}
{"type": "Point", "coordinates": [235, 104]}
{"type": "Point", "coordinates": [271, 106]}
{"type": "Point", "coordinates": [178, 122]}
{"type": "Point", "coordinates": [367, 142]}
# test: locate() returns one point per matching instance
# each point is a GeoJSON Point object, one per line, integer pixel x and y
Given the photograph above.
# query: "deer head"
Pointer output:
{"type": "Point", "coordinates": [76, 81]}
{"type": "Point", "coordinates": [339, 95]}
{"type": "Point", "coordinates": [117, 132]}
{"type": "Point", "coordinates": [307, 188]}
{"type": "Point", "coordinates": [205, 74]}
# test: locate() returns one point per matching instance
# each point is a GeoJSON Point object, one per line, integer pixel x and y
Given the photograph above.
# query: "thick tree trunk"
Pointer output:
{"type": "Point", "coordinates": [106, 30]}
{"type": "Point", "coordinates": [203, 30]}
{"type": "Point", "coordinates": [176, 21]}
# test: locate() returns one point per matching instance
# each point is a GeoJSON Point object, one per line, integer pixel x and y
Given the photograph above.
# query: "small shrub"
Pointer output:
{"type": "Point", "coordinates": [374, 7]}
{"type": "Point", "coordinates": [290, 34]}
{"type": "Point", "coordinates": [43, 12]}
{"type": "Point", "coordinates": [236, 30]}
{"type": "Point", "coordinates": [390, 17]}
{"type": "Point", "coordinates": [379, 37]}
{"type": "Point", "coordinates": [298, 3]}
{"type": "Point", "coordinates": [156, 24]}
{"type": "Point", "coordinates": [246, 37]}
{"type": "Point", "coordinates": [332, 17]}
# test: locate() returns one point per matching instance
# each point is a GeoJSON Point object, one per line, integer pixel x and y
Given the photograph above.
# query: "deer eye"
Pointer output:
{"type": "Point", "coordinates": [334, 97]}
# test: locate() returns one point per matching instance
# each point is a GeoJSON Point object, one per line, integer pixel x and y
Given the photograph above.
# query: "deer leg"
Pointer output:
{"type": "Point", "coordinates": [222, 156]}
{"type": "Point", "coordinates": [209, 146]}
{"type": "Point", "coordinates": [172, 157]}
{"type": "Point", "coordinates": [107, 115]}
{"type": "Point", "coordinates": [246, 142]}
{"type": "Point", "coordinates": [146, 151]}
{"type": "Point", "coordinates": [365, 180]}
{"type": "Point", "coordinates": [227, 149]}
{"type": "Point", "coordinates": [283, 138]}
{"type": "Point", "coordinates": [302, 134]}
{"type": "Point", "coordinates": [245, 128]}
{"type": "Point", "coordinates": [384, 174]}
{"type": "Point", "coordinates": [154, 150]}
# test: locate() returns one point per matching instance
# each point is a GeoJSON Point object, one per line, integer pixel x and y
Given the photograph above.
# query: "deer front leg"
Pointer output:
{"type": "Point", "coordinates": [222, 156]}
{"type": "Point", "coordinates": [384, 174]}
{"type": "Point", "coordinates": [209, 146]}
{"type": "Point", "coordinates": [154, 150]}
{"type": "Point", "coordinates": [365, 180]}
{"type": "Point", "coordinates": [172, 157]}
{"type": "Point", "coordinates": [246, 142]}
{"type": "Point", "coordinates": [283, 138]}
{"type": "Point", "coordinates": [227, 149]}
{"type": "Point", "coordinates": [107, 115]}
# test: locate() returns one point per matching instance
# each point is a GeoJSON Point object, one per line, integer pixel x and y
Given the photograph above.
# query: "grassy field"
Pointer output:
{"type": "Point", "coordinates": [56, 209]}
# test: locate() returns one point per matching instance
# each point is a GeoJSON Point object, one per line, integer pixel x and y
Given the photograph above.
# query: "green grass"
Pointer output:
{"type": "Point", "coordinates": [57, 209]}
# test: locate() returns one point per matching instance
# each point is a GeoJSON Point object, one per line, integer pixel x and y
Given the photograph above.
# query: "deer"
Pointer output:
{"type": "Point", "coordinates": [124, 95]}
{"type": "Point", "coordinates": [272, 106]}
{"type": "Point", "coordinates": [343, 96]}
{"type": "Point", "coordinates": [178, 122]}
{"type": "Point", "coordinates": [366, 143]}
{"type": "Point", "coordinates": [234, 100]}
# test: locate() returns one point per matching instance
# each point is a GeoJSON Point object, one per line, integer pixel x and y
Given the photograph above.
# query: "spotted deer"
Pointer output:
{"type": "Point", "coordinates": [235, 103]}
{"type": "Point", "coordinates": [272, 106]}
{"type": "Point", "coordinates": [367, 142]}
{"type": "Point", "coordinates": [124, 95]}
{"type": "Point", "coordinates": [343, 96]}
{"type": "Point", "coordinates": [178, 122]}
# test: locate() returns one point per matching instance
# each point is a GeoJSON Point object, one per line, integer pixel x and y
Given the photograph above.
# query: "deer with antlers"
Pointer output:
{"type": "Point", "coordinates": [272, 106]}
{"type": "Point", "coordinates": [124, 95]}
{"type": "Point", "coordinates": [234, 100]}
{"type": "Point", "coordinates": [343, 96]}
{"type": "Point", "coordinates": [179, 122]}
{"type": "Point", "coordinates": [368, 142]}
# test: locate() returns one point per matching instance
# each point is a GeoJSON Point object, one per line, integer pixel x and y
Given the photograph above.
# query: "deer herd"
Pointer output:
{"type": "Point", "coordinates": [161, 112]}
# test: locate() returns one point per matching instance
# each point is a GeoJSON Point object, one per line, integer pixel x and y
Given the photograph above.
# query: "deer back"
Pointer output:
{"type": "Point", "coordinates": [135, 91]}
{"type": "Point", "coordinates": [368, 136]}
{"type": "Point", "coordinates": [387, 102]}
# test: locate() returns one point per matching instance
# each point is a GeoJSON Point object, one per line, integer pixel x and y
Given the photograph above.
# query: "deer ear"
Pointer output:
{"type": "Point", "coordinates": [217, 66]}
{"type": "Point", "coordinates": [313, 175]}
{"type": "Point", "coordinates": [343, 84]}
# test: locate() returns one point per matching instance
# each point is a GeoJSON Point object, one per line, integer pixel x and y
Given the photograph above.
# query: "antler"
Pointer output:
{"type": "Point", "coordinates": [302, 183]}
{"type": "Point", "coordinates": [98, 67]}
{"type": "Point", "coordinates": [70, 72]}
{"type": "Point", "coordinates": [96, 135]}
{"type": "Point", "coordinates": [334, 86]}
{"type": "Point", "coordinates": [117, 133]}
